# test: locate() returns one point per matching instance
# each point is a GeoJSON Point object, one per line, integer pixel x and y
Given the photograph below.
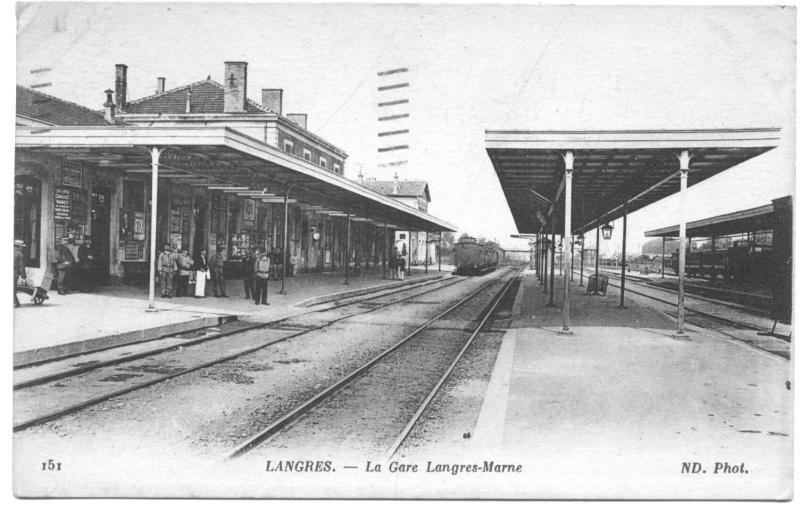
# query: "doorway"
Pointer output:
{"type": "Point", "coordinates": [27, 217]}
{"type": "Point", "coordinates": [101, 234]}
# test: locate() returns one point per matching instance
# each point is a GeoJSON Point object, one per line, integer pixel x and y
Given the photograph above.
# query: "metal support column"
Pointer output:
{"type": "Point", "coordinates": [552, 263]}
{"type": "Point", "coordinates": [155, 153]}
{"type": "Point", "coordinates": [583, 249]}
{"type": "Point", "coordinates": [439, 252]}
{"type": "Point", "coordinates": [572, 262]}
{"type": "Point", "coordinates": [713, 258]}
{"type": "Point", "coordinates": [597, 257]}
{"type": "Point", "coordinates": [624, 259]}
{"type": "Point", "coordinates": [569, 159]}
{"type": "Point", "coordinates": [426, 252]}
{"type": "Point", "coordinates": [285, 236]}
{"type": "Point", "coordinates": [546, 252]}
{"type": "Point", "coordinates": [684, 161]}
{"type": "Point", "coordinates": [663, 259]}
{"type": "Point", "coordinates": [385, 245]}
{"type": "Point", "coordinates": [347, 253]}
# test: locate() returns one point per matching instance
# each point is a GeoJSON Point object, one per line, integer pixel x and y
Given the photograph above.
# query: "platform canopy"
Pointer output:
{"type": "Point", "coordinates": [611, 168]}
{"type": "Point", "coordinates": [743, 221]}
{"type": "Point", "coordinates": [223, 159]}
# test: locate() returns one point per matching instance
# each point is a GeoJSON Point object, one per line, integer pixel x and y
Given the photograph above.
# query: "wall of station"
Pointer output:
{"type": "Point", "coordinates": [57, 198]}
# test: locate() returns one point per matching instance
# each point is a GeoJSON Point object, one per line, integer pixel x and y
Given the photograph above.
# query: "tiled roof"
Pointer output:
{"type": "Point", "coordinates": [52, 110]}
{"type": "Point", "coordinates": [405, 188]}
{"type": "Point", "coordinates": [208, 97]}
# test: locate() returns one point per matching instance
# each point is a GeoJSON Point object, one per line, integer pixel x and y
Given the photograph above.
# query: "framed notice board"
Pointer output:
{"type": "Point", "coordinates": [72, 174]}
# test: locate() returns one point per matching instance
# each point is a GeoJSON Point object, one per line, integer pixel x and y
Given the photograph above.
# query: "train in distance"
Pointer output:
{"type": "Point", "coordinates": [472, 257]}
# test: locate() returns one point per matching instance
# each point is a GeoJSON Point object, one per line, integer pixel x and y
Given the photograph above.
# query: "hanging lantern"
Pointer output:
{"type": "Point", "coordinates": [579, 240]}
{"type": "Point", "coordinates": [607, 230]}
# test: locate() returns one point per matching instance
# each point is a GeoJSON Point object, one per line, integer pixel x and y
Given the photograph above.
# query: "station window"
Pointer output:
{"type": "Point", "coordinates": [337, 168]}
{"type": "Point", "coordinates": [323, 162]}
{"type": "Point", "coordinates": [307, 154]}
{"type": "Point", "coordinates": [288, 146]}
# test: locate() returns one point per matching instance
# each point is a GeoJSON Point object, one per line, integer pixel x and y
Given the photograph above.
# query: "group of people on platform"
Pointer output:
{"type": "Point", "coordinates": [69, 272]}
{"type": "Point", "coordinates": [397, 264]}
{"type": "Point", "coordinates": [176, 268]}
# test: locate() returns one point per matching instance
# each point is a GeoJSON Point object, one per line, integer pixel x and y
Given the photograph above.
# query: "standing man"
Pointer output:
{"type": "Point", "coordinates": [201, 274]}
{"type": "Point", "coordinates": [261, 268]}
{"type": "Point", "coordinates": [85, 264]}
{"type": "Point", "coordinates": [184, 271]}
{"type": "Point", "coordinates": [216, 264]}
{"type": "Point", "coordinates": [248, 273]}
{"type": "Point", "coordinates": [19, 266]}
{"type": "Point", "coordinates": [167, 264]}
{"type": "Point", "coordinates": [393, 263]}
{"type": "Point", "coordinates": [64, 262]}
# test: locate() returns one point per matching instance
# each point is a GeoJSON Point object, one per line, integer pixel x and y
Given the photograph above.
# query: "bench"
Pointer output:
{"type": "Point", "coordinates": [597, 284]}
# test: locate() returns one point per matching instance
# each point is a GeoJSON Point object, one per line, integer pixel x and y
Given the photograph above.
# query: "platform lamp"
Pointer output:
{"type": "Point", "coordinates": [607, 230]}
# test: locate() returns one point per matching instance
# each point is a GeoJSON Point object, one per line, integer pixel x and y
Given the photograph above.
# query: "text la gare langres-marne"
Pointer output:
{"type": "Point", "coordinates": [487, 466]}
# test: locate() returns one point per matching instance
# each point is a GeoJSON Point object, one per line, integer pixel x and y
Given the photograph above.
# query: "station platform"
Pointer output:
{"type": "Point", "coordinates": [620, 404]}
{"type": "Point", "coordinates": [114, 315]}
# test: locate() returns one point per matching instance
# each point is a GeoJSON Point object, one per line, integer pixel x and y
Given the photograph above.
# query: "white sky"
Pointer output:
{"type": "Point", "coordinates": [474, 67]}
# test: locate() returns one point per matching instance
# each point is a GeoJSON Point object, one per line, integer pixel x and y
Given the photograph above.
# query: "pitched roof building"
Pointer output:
{"type": "Point", "coordinates": [414, 193]}
{"type": "Point", "coordinates": [37, 108]}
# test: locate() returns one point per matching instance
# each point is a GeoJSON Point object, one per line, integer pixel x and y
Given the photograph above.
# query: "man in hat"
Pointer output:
{"type": "Point", "coordinates": [167, 264]}
{"type": "Point", "coordinates": [64, 263]}
{"type": "Point", "coordinates": [217, 264]}
{"type": "Point", "coordinates": [86, 264]}
{"type": "Point", "coordinates": [19, 266]}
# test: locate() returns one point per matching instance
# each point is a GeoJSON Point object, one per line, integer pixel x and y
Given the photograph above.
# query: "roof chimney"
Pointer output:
{"type": "Point", "coordinates": [188, 100]}
{"type": "Point", "coordinates": [360, 177]}
{"type": "Point", "coordinates": [160, 84]}
{"type": "Point", "coordinates": [121, 85]}
{"type": "Point", "coordinates": [235, 87]}
{"type": "Point", "coordinates": [396, 184]}
{"type": "Point", "coordinates": [300, 119]}
{"type": "Point", "coordinates": [109, 107]}
{"type": "Point", "coordinates": [272, 99]}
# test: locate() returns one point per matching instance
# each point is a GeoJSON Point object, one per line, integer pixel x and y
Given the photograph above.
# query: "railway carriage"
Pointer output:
{"type": "Point", "coordinates": [472, 257]}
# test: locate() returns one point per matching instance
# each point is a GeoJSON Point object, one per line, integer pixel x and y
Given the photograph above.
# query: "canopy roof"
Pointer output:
{"type": "Point", "coordinates": [220, 158]}
{"type": "Point", "coordinates": [743, 221]}
{"type": "Point", "coordinates": [610, 169]}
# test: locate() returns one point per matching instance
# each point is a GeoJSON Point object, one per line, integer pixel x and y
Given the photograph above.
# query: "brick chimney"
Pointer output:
{"type": "Point", "coordinates": [109, 107]}
{"type": "Point", "coordinates": [121, 85]}
{"type": "Point", "coordinates": [300, 119]}
{"type": "Point", "coordinates": [160, 85]}
{"type": "Point", "coordinates": [272, 99]}
{"type": "Point", "coordinates": [235, 83]}
{"type": "Point", "coordinates": [396, 184]}
{"type": "Point", "coordinates": [188, 100]}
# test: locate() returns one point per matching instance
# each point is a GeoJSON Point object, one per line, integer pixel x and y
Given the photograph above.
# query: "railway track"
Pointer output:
{"type": "Point", "coordinates": [732, 328]}
{"type": "Point", "coordinates": [53, 369]}
{"type": "Point", "coordinates": [43, 398]}
{"type": "Point", "coordinates": [393, 387]}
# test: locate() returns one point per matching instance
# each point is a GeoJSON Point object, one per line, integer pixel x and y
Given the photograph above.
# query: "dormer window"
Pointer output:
{"type": "Point", "coordinates": [337, 168]}
{"type": "Point", "coordinates": [323, 163]}
{"type": "Point", "coordinates": [288, 146]}
{"type": "Point", "coordinates": [307, 154]}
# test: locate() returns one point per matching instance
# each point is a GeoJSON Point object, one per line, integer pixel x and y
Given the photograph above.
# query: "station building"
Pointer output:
{"type": "Point", "coordinates": [228, 172]}
{"type": "Point", "coordinates": [416, 194]}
